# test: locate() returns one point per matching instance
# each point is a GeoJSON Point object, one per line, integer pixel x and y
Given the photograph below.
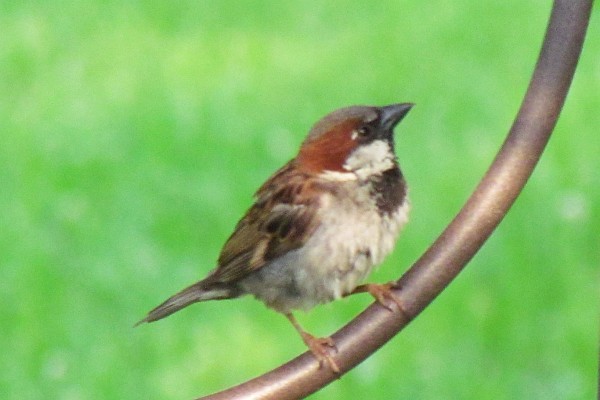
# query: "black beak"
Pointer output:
{"type": "Point", "coordinates": [391, 115]}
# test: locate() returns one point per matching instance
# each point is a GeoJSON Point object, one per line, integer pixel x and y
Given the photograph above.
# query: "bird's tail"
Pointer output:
{"type": "Point", "coordinates": [200, 291]}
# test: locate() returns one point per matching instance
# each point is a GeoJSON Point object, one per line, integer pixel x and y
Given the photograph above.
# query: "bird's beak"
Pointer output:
{"type": "Point", "coordinates": [391, 115]}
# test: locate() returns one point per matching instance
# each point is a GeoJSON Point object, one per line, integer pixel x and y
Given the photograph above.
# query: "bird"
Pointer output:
{"type": "Point", "coordinates": [318, 226]}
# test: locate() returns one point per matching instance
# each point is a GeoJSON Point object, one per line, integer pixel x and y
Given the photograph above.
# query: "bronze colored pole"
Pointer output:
{"type": "Point", "coordinates": [466, 233]}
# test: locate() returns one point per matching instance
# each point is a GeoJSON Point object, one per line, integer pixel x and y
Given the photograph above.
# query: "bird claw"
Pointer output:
{"type": "Point", "coordinates": [320, 349]}
{"type": "Point", "coordinates": [382, 292]}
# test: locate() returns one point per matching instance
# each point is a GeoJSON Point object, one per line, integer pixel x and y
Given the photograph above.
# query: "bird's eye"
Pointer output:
{"type": "Point", "coordinates": [362, 132]}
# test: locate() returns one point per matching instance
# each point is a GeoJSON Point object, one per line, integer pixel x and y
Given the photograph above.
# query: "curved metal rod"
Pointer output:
{"type": "Point", "coordinates": [466, 233]}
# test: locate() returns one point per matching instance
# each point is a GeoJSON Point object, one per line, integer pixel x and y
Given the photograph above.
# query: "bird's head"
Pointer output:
{"type": "Point", "coordinates": [357, 140]}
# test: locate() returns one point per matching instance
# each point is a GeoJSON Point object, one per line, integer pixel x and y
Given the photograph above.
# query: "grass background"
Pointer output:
{"type": "Point", "coordinates": [134, 134]}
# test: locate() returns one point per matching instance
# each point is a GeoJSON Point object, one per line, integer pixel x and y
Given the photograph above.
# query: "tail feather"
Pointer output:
{"type": "Point", "coordinates": [192, 294]}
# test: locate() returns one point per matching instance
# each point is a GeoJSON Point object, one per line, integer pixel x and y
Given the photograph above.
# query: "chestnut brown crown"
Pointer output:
{"type": "Point", "coordinates": [333, 139]}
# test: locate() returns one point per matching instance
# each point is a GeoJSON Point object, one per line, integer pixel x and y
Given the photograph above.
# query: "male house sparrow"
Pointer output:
{"type": "Point", "coordinates": [318, 226]}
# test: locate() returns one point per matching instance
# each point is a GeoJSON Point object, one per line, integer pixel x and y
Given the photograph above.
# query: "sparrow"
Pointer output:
{"type": "Point", "coordinates": [318, 226]}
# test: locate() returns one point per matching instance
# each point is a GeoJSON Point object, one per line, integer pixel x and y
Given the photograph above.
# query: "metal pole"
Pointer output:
{"type": "Point", "coordinates": [466, 233]}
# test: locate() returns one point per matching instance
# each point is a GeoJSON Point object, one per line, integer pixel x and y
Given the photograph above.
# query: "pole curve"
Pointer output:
{"type": "Point", "coordinates": [465, 235]}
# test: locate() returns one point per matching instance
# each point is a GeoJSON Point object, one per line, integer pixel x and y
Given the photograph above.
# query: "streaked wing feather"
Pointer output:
{"type": "Point", "coordinates": [281, 220]}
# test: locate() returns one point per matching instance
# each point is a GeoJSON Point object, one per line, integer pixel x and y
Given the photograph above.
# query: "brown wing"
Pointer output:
{"type": "Point", "coordinates": [281, 220]}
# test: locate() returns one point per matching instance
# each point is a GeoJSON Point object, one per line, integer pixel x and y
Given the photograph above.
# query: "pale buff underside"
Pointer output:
{"type": "Point", "coordinates": [338, 257]}
{"type": "Point", "coordinates": [352, 238]}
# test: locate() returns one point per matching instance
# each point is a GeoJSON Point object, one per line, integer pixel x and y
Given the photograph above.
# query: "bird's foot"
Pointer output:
{"type": "Point", "coordinates": [382, 292]}
{"type": "Point", "coordinates": [320, 347]}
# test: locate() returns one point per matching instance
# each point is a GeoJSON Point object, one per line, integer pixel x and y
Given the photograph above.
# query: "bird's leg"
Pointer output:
{"type": "Point", "coordinates": [317, 346]}
{"type": "Point", "coordinates": [382, 292]}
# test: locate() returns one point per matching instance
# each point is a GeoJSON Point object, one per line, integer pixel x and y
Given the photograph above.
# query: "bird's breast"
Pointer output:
{"type": "Point", "coordinates": [352, 237]}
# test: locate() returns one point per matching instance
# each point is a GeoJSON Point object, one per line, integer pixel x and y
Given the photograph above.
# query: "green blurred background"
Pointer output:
{"type": "Point", "coordinates": [134, 135]}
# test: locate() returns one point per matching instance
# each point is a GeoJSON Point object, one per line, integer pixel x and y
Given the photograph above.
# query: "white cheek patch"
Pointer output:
{"type": "Point", "coordinates": [370, 159]}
